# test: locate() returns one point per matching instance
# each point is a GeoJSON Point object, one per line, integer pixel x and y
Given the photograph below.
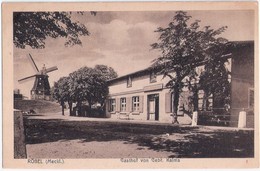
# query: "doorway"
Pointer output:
{"type": "Point", "coordinates": [153, 107]}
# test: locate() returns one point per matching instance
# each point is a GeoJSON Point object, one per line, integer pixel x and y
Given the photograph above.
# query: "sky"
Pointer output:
{"type": "Point", "coordinates": [120, 40]}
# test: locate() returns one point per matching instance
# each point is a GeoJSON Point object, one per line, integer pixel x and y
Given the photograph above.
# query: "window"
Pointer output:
{"type": "Point", "coordinates": [129, 82]}
{"type": "Point", "coordinates": [136, 103]}
{"type": "Point", "coordinates": [112, 105]}
{"type": "Point", "coordinates": [251, 98]}
{"type": "Point", "coordinates": [153, 77]}
{"type": "Point", "coordinates": [123, 104]}
{"type": "Point", "coordinates": [205, 103]}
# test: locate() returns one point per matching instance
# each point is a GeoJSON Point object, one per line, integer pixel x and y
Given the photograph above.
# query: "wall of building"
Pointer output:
{"type": "Point", "coordinates": [240, 100]}
{"type": "Point", "coordinates": [142, 87]}
{"type": "Point", "coordinates": [138, 83]}
{"type": "Point", "coordinates": [242, 81]}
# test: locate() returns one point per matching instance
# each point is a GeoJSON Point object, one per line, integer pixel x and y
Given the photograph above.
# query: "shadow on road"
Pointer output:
{"type": "Point", "coordinates": [183, 142]}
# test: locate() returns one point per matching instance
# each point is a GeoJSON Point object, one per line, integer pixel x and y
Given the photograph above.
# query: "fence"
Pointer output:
{"type": "Point", "coordinates": [222, 117]}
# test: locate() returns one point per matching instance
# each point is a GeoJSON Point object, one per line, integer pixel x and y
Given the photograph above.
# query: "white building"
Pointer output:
{"type": "Point", "coordinates": [142, 96]}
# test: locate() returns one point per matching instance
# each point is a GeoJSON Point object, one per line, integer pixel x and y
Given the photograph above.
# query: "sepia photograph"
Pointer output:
{"type": "Point", "coordinates": [134, 86]}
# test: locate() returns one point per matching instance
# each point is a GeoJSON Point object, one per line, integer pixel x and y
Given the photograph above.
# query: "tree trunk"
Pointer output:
{"type": "Point", "coordinates": [89, 104]}
{"type": "Point", "coordinates": [62, 107]}
{"type": "Point", "coordinates": [70, 107]}
{"type": "Point", "coordinates": [175, 104]}
{"type": "Point", "coordinates": [205, 103]}
{"type": "Point", "coordinates": [218, 104]}
{"type": "Point", "coordinates": [195, 100]}
{"type": "Point", "coordinates": [103, 107]}
{"type": "Point", "coordinates": [79, 108]}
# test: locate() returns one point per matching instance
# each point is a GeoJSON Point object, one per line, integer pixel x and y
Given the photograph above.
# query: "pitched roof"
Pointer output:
{"type": "Point", "coordinates": [234, 44]}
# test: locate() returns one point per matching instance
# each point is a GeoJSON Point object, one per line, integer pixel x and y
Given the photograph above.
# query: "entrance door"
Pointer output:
{"type": "Point", "coordinates": [153, 107]}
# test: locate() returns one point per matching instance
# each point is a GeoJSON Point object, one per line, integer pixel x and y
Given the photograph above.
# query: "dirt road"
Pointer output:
{"type": "Point", "coordinates": [54, 136]}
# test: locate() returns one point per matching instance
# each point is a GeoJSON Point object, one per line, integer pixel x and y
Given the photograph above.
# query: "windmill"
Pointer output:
{"type": "Point", "coordinates": [41, 86]}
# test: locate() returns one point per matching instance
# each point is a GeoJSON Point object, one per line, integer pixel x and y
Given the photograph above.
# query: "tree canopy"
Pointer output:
{"type": "Point", "coordinates": [183, 48]}
{"type": "Point", "coordinates": [106, 72]}
{"type": "Point", "coordinates": [32, 28]}
{"type": "Point", "coordinates": [61, 91]}
{"type": "Point", "coordinates": [85, 84]}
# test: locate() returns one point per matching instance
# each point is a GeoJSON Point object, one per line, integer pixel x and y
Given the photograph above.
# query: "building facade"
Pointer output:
{"type": "Point", "coordinates": [242, 82]}
{"type": "Point", "coordinates": [143, 95]}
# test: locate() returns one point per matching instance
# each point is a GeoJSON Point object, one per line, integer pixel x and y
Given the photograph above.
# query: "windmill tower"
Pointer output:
{"type": "Point", "coordinates": [41, 86]}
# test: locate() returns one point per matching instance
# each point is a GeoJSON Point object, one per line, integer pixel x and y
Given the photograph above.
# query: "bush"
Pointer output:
{"type": "Point", "coordinates": [85, 111]}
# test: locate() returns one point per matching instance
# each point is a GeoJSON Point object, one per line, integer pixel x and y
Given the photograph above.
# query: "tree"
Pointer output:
{"type": "Point", "coordinates": [105, 73]}
{"type": "Point", "coordinates": [90, 84]}
{"type": "Point", "coordinates": [32, 28]}
{"type": "Point", "coordinates": [61, 92]}
{"type": "Point", "coordinates": [79, 86]}
{"type": "Point", "coordinates": [214, 81]}
{"type": "Point", "coordinates": [183, 48]}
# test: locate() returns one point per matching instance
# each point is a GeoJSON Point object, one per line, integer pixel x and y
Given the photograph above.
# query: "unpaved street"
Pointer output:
{"type": "Point", "coordinates": [73, 137]}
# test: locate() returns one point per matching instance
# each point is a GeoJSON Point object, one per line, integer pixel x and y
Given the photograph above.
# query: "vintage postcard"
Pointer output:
{"type": "Point", "coordinates": [130, 85]}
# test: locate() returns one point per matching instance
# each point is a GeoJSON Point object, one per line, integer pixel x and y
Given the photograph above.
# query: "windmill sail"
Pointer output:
{"type": "Point", "coordinates": [33, 63]}
{"type": "Point", "coordinates": [41, 86]}
{"type": "Point", "coordinates": [51, 69]}
{"type": "Point", "coordinates": [27, 78]}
